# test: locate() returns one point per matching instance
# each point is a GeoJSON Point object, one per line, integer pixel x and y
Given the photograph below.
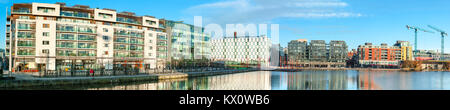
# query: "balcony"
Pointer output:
{"type": "Point", "coordinates": [26, 52]}
{"type": "Point", "coordinates": [65, 37]}
{"type": "Point", "coordinates": [25, 27]}
{"type": "Point", "coordinates": [26, 44]}
{"type": "Point", "coordinates": [65, 45]}
{"type": "Point", "coordinates": [86, 53]}
{"type": "Point", "coordinates": [24, 35]}
{"type": "Point", "coordinates": [86, 46]}
{"type": "Point", "coordinates": [127, 20]}
{"type": "Point", "coordinates": [76, 14]}
{"type": "Point", "coordinates": [86, 30]}
{"type": "Point", "coordinates": [21, 11]}
{"type": "Point", "coordinates": [86, 38]}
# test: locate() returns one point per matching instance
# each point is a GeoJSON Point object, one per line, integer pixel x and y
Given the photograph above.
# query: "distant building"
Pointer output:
{"type": "Point", "coordinates": [317, 54]}
{"type": "Point", "coordinates": [317, 51]}
{"type": "Point", "coordinates": [337, 51]}
{"type": "Point", "coordinates": [421, 55]}
{"type": "Point", "coordinates": [242, 49]}
{"type": "Point", "coordinates": [378, 56]}
{"type": "Point", "coordinates": [297, 50]}
{"type": "Point", "coordinates": [406, 50]}
{"type": "Point", "coordinates": [351, 54]}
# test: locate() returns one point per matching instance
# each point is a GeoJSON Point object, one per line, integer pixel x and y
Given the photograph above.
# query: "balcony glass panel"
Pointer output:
{"type": "Point", "coordinates": [120, 47]}
{"type": "Point", "coordinates": [86, 29]}
{"type": "Point", "coordinates": [65, 44]}
{"type": "Point", "coordinates": [121, 54]}
{"type": "Point", "coordinates": [86, 45]}
{"type": "Point", "coordinates": [86, 37]}
{"type": "Point", "coordinates": [75, 14]}
{"type": "Point", "coordinates": [25, 35]}
{"type": "Point", "coordinates": [22, 11]}
{"type": "Point", "coordinates": [66, 53]}
{"type": "Point", "coordinates": [26, 43]}
{"type": "Point", "coordinates": [121, 40]}
{"type": "Point", "coordinates": [65, 28]}
{"type": "Point", "coordinates": [86, 53]}
{"type": "Point", "coordinates": [65, 36]}
{"type": "Point", "coordinates": [24, 26]}
{"type": "Point", "coordinates": [26, 52]}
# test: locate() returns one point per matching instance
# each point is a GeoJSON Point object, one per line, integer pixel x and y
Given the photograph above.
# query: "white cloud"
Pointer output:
{"type": "Point", "coordinates": [257, 11]}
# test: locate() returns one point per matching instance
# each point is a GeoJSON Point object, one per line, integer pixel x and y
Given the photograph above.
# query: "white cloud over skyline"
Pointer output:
{"type": "Point", "coordinates": [263, 11]}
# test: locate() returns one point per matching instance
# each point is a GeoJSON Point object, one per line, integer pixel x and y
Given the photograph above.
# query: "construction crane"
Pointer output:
{"type": "Point", "coordinates": [443, 34]}
{"type": "Point", "coordinates": [416, 29]}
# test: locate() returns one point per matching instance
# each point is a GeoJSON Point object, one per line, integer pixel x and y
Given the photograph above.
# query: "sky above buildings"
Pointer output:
{"type": "Point", "coordinates": [354, 21]}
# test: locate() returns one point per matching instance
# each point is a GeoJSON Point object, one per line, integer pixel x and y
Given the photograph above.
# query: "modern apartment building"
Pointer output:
{"type": "Point", "coordinates": [317, 51]}
{"type": "Point", "coordinates": [44, 36]}
{"type": "Point", "coordinates": [297, 50]}
{"type": "Point", "coordinates": [380, 56]}
{"type": "Point", "coordinates": [242, 49]}
{"type": "Point", "coordinates": [186, 41]}
{"type": "Point", "coordinates": [406, 50]}
{"type": "Point", "coordinates": [337, 51]}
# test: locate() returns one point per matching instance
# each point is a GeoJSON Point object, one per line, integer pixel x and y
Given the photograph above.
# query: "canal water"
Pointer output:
{"type": "Point", "coordinates": [303, 80]}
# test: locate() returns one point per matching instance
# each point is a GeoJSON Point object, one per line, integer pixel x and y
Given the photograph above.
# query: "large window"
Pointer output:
{"type": "Point", "coordinates": [46, 9]}
{"type": "Point", "coordinates": [86, 45]}
{"type": "Point", "coordinates": [23, 43]}
{"type": "Point", "coordinates": [26, 52]}
{"type": "Point", "coordinates": [25, 35]}
{"type": "Point", "coordinates": [86, 29]}
{"type": "Point", "coordinates": [65, 28]}
{"type": "Point", "coordinates": [105, 16]}
{"type": "Point", "coordinates": [65, 44]}
{"type": "Point", "coordinates": [86, 37]}
{"type": "Point", "coordinates": [75, 14]}
{"type": "Point", "coordinates": [65, 37]}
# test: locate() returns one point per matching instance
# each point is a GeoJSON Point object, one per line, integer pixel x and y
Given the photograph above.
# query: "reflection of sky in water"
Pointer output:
{"type": "Point", "coordinates": [308, 80]}
{"type": "Point", "coordinates": [304, 80]}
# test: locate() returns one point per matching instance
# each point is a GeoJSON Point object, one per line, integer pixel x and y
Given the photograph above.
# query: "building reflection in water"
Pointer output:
{"type": "Point", "coordinates": [304, 80]}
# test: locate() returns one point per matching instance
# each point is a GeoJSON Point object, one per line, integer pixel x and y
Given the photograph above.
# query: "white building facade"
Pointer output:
{"type": "Point", "coordinates": [247, 50]}
{"type": "Point", "coordinates": [44, 36]}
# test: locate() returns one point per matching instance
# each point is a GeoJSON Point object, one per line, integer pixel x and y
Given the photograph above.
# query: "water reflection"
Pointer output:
{"type": "Point", "coordinates": [304, 80]}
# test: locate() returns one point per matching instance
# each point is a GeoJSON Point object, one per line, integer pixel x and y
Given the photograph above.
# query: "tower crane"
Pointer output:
{"type": "Point", "coordinates": [416, 29]}
{"type": "Point", "coordinates": [443, 34]}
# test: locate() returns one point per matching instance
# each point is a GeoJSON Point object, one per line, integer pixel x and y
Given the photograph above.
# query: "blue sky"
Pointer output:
{"type": "Point", "coordinates": [354, 21]}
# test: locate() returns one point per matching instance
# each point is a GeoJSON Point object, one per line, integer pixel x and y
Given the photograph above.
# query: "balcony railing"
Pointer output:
{"type": "Point", "coordinates": [26, 44]}
{"type": "Point", "coordinates": [65, 46]}
{"type": "Point", "coordinates": [25, 36]}
{"type": "Point", "coordinates": [76, 14]}
{"type": "Point", "coordinates": [21, 11]}
{"type": "Point", "coordinates": [25, 27]}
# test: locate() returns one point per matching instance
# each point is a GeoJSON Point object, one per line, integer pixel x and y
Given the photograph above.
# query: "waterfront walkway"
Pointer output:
{"type": "Point", "coordinates": [26, 80]}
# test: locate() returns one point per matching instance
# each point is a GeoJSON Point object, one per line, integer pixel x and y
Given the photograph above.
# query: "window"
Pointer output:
{"type": "Point", "coordinates": [150, 35]}
{"type": "Point", "coordinates": [150, 41]}
{"type": "Point", "coordinates": [105, 30]}
{"type": "Point", "coordinates": [45, 42]}
{"type": "Point", "coordinates": [46, 34]}
{"type": "Point", "coordinates": [46, 51]}
{"type": "Point", "coordinates": [46, 10]}
{"type": "Point", "coordinates": [45, 25]}
{"type": "Point", "coordinates": [106, 38]}
{"type": "Point", "coordinates": [149, 54]}
{"type": "Point", "coordinates": [106, 45]}
{"type": "Point", "coordinates": [151, 48]}
{"type": "Point", "coordinates": [105, 16]}
{"type": "Point", "coordinates": [105, 53]}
